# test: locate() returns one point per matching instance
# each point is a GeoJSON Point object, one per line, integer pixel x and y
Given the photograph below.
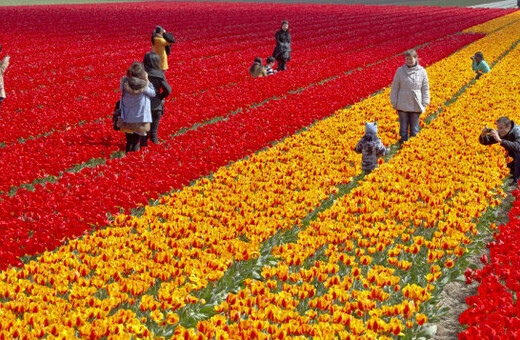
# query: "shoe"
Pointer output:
{"type": "Point", "coordinates": [512, 185]}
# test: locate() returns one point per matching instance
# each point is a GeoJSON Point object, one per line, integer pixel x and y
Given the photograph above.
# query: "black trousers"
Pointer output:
{"type": "Point", "coordinates": [282, 64]}
{"type": "Point", "coordinates": [1, 100]}
{"type": "Point", "coordinates": [154, 127]}
{"type": "Point", "coordinates": [514, 166]}
{"type": "Point", "coordinates": [134, 142]}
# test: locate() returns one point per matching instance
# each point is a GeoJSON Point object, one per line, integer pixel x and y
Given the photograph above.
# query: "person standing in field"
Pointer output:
{"type": "Point", "coordinates": [161, 45]}
{"type": "Point", "coordinates": [479, 65]}
{"type": "Point", "coordinates": [136, 114]}
{"type": "Point", "coordinates": [3, 66]}
{"type": "Point", "coordinates": [162, 89]}
{"type": "Point", "coordinates": [410, 95]}
{"type": "Point", "coordinates": [282, 50]}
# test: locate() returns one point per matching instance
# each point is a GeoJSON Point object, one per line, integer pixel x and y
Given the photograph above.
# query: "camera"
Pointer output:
{"type": "Point", "coordinates": [487, 130]}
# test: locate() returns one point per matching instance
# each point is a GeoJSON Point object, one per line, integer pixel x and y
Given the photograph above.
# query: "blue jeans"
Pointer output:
{"type": "Point", "coordinates": [1, 100]}
{"type": "Point", "coordinates": [408, 120]}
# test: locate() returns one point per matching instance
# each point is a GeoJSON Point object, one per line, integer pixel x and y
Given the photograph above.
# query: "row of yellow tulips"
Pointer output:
{"type": "Point", "coordinates": [493, 25]}
{"type": "Point", "coordinates": [414, 214]}
{"type": "Point", "coordinates": [112, 282]}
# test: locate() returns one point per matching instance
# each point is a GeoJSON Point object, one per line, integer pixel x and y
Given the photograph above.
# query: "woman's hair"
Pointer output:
{"type": "Point", "coordinates": [151, 61]}
{"type": "Point", "coordinates": [256, 69]}
{"type": "Point", "coordinates": [411, 52]}
{"type": "Point", "coordinates": [270, 59]}
{"type": "Point", "coordinates": [136, 71]}
{"type": "Point", "coordinates": [284, 22]}
{"type": "Point", "coordinates": [157, 30]}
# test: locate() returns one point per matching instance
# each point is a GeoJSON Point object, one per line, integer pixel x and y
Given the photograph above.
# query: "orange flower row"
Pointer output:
{"type": "Point", "coordinates": [412, 215]}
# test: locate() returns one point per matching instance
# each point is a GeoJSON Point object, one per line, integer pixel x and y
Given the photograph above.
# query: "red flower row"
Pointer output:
{"type": "Point", "coordinates": [49, 155]}
{"type": "Point", "coordinates": [31, 222]}
{"type": "Point", "coordinates": [494, 313]}
{"type": "Point", "coordinates": [45, 97]}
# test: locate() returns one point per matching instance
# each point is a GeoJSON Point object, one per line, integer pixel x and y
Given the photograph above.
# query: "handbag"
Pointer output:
{"type": "Point", "coordinates": [116, 115]}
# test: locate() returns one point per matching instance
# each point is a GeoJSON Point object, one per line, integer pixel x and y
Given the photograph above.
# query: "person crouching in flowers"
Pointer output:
{"type": "Point", "coordinates": [269, 65]}
{"type": "Point", "coordinates": [479, 65]}
{"type": "Point", "coordinates": [257, 69]}
{"type": "Point", "coordinates": [371, 148]}
{"type": "Point", "coordinates": [136, 113]}
{"type": "Point", "coordinates": [507, 134]}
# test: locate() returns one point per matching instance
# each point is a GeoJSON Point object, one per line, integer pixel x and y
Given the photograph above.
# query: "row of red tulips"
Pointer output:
{"type": "Point", "coordinates": [81, 27]}
{"type": "Point", "coordinates": [52, 154]}
{"type": "Point", "coordinates": [37, 110]}
{"type": "Point", "coordinates": [494, 313]}
{"type": "Point", "coordinates": [34, 221]}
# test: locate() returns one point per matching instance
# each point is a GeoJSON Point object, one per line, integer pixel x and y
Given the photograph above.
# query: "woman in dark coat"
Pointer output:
{"type": "Point", "coordinates": [282, 51]}
{"type": "Point", "coordinates": [151, 64]}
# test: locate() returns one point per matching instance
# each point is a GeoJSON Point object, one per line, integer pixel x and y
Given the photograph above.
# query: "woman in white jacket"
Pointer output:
{"type": "Point", "coordinates": [410, 94]}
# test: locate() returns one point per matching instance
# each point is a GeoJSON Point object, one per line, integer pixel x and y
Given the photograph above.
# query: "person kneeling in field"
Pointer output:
{"type": "Point", "coordinates": [479, 65]}
{"type": "Point", "coordinates": [269, 65]}
{"type": "Point", "coordinates": [507, 135]}
{"type": "Point", "coordinates": [136, 113]}
{"type": "Point", "coordinates": [257, 69]}
{"type": "Point", "coordinates": [371, 148]}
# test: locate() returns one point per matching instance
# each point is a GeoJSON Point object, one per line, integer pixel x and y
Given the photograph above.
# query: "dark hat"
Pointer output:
{"type": "Point", "coordinates": [479, 55]}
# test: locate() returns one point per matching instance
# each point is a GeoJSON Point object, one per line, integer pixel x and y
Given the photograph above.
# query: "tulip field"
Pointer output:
{"type": "Point", "coordinates": [252, 217]}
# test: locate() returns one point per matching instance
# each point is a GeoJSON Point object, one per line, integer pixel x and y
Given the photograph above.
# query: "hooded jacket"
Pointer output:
{"type": "Point", "coordinates": [3, 66]}
{"type": "Point", "coordinates": [410, 89]}
{"type": "Point", "coordinates": [510, 142]}
{"type": "Point", "coordinates": [257, 70]}
{"type": "Point", "coordinates": [283, 49]}
{"type": "Point", "coordinates": [135, 101]}
{"type": "Point", "coordinates": [371, 148]}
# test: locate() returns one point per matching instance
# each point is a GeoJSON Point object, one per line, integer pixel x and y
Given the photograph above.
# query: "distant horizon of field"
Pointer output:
{"type": "Point", "coordinates": [440, 3]}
